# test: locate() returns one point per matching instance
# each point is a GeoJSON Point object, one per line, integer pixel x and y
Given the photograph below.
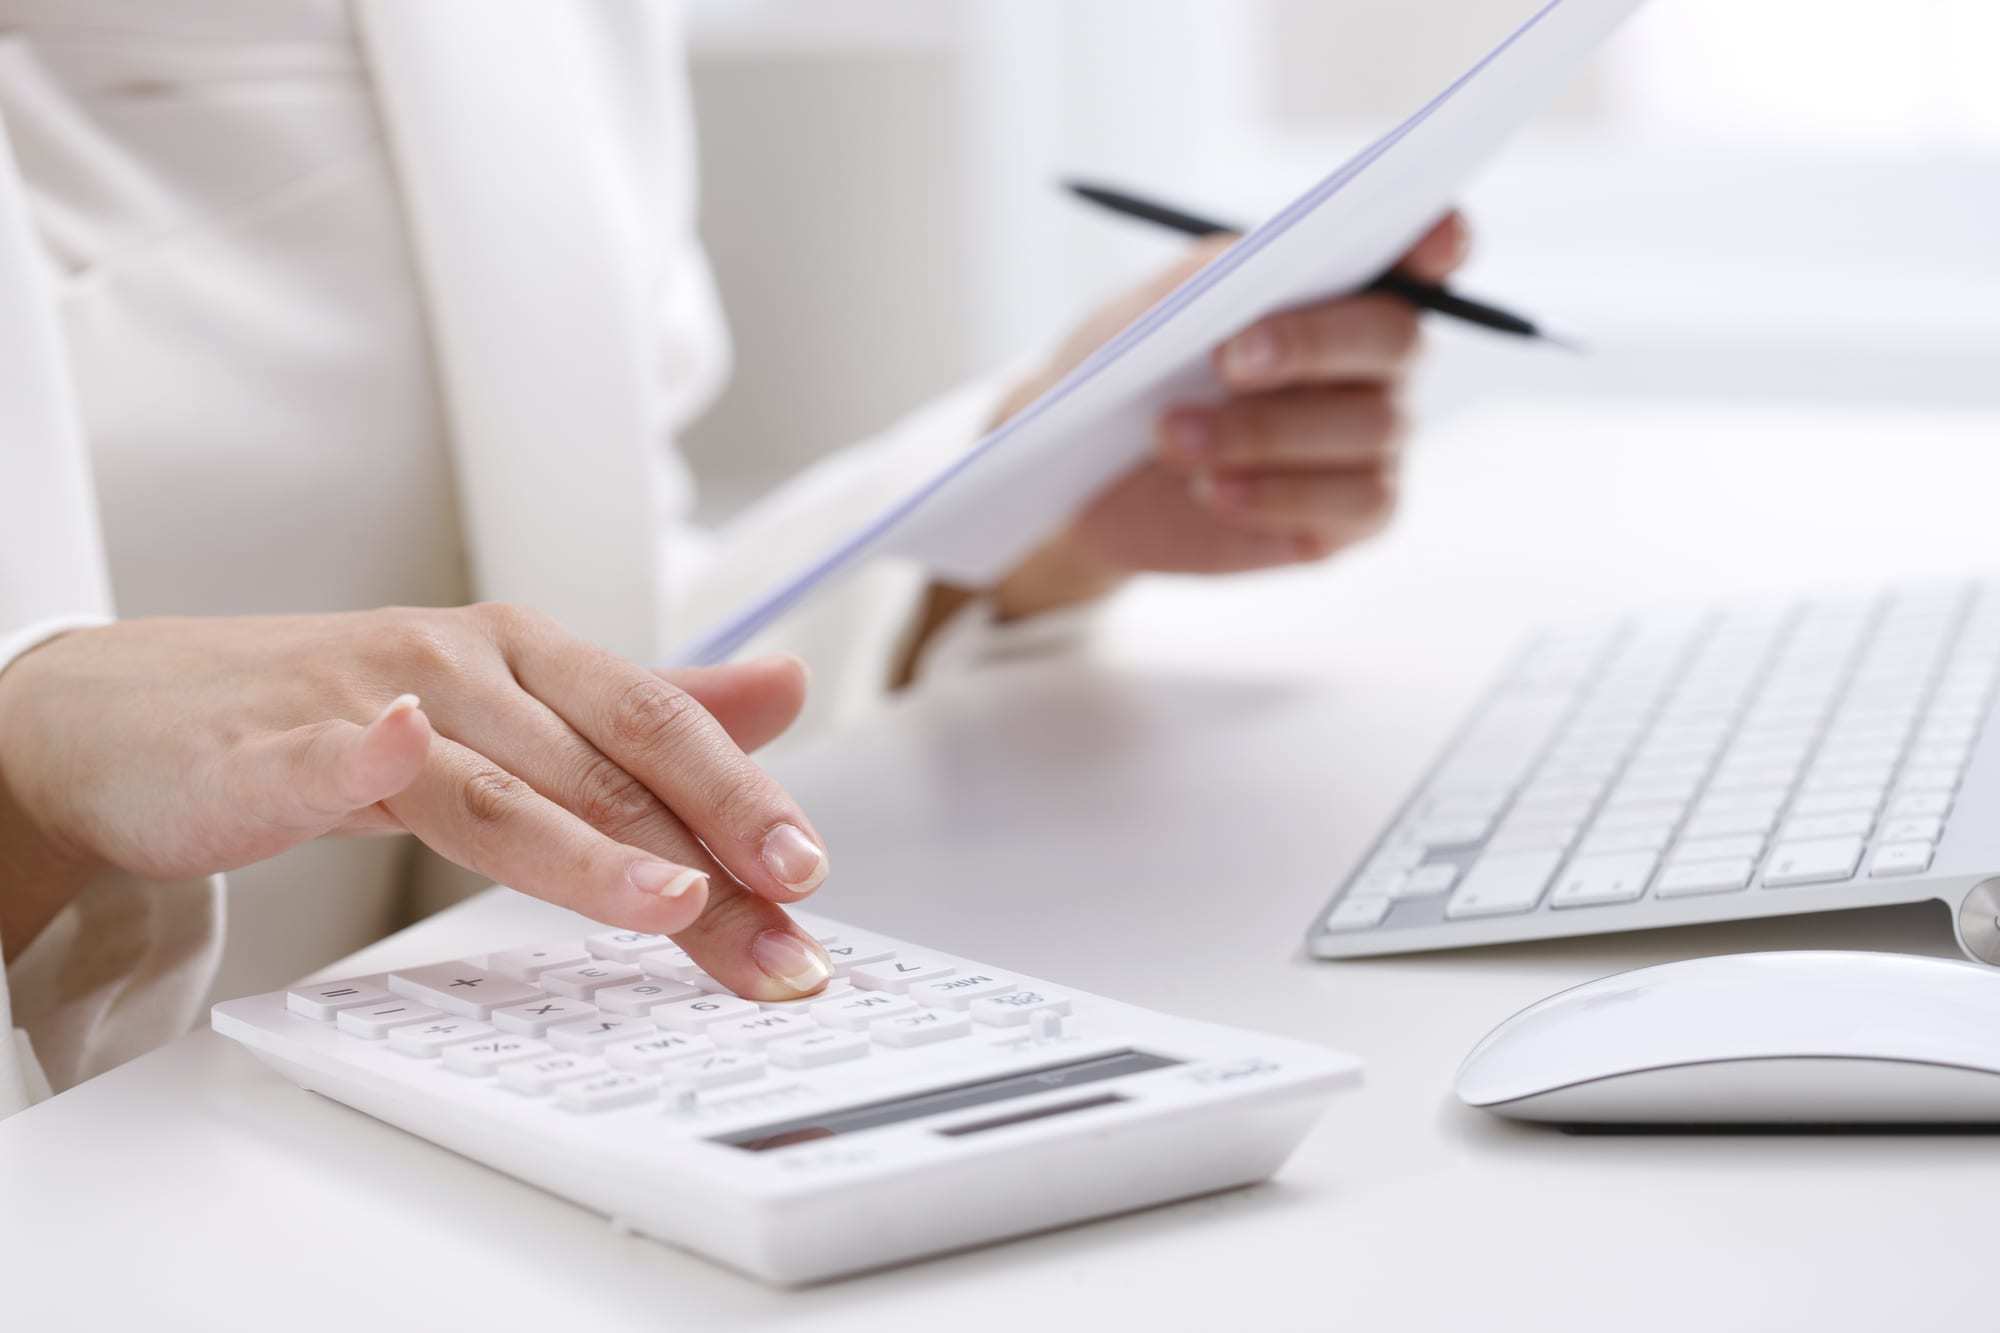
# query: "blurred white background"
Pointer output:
{"type": "Point", "coordinates": [1775, 201]}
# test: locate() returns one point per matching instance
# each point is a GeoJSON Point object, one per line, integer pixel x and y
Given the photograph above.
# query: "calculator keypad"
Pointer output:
{"type": "Point", "coordinates": [622, 1019]}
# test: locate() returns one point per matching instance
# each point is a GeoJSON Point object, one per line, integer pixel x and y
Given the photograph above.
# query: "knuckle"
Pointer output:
{"type": "Point", "coordinates": [608, 798]}
{"type": "Point", "coordinates": [422, 647]}
{"type": "Point", "coordinates": [490, 796]}
{"type": "Point", "coordinates": [652, 716]}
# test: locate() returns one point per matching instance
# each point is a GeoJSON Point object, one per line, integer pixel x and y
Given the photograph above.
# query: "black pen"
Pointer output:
{"type": "Point", "coordinates": [1423, 295]}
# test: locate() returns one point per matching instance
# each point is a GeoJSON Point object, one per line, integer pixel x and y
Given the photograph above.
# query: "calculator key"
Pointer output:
{"type": "Point", "coordinates": [1357, 913]}
{"type": "Point", "coordinates": [1590, 881]}
{"type": "Point", "coordinates": [427, 1039]}
{"type": "Point", "coordinates": [460, 988]}
{"type": "Point", "coordinates": [1695, 878]}
{"type": "Point", "coordinates": [673, 964]}
{"type": "Point", "coordinates": [921, 1028]}
{"type": "Point", "coordinates": [1821, 862]}
{"type": "Point", "coordinates": [604, 1092]}
{"type": "Point", "coordinates": [589, 1034]}
{"type": "Point", "coordinates": [852, 953]}
{"type": "Point", "coordinates": [538, 1016]}
{"type": "Point", "coordinates": [897, 974]}
{"type": "Point", "coordinates": [651, 1052]}
{"type": "Point", "coordinates": [482, 1057]}
{"type": "Point", "coordinates": [584, 980]}
{"type": "Point", "coordinates": [696, 1015]}
{"type": "Point", "coordinates": [529, 964]}
{"type": "Point", "coordinates": [328, 998]}
{"type": "Point", "coordinates": [537, 1076]}
{"type": "Point", "coordinates": [626, 946]}
{"type": "Point", "coordinates": [372, 1022]}
{"type": "Point", "coordinates": [1895, 858]}
{"type": "Point", "coordinates": [958, 992]}
{"type": "Point", "coordinates": [1503, 885]}
{"type": "Point", "coordinates": [713, 1070]}
{"type": "Point", "coordinates": [825, 1047]}
{"type": "Point", "coordinates": [756, 1030]}
{"type": "Point", "coordinates": [852, 1013]}
{"type": "Point", "coordinates": [1016, 1008]}
{"type": "Point", "coordinates": [838, 986]}
{"type": "Point", "coordinates": [637, 998]}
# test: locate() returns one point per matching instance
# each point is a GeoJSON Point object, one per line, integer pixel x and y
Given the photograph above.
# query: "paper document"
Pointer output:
{"type": "Point", "coordinates": [978, 517]}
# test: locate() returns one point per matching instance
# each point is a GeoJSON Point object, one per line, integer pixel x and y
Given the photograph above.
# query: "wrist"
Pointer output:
{"type": "Point", "coordinates": [41, 871]}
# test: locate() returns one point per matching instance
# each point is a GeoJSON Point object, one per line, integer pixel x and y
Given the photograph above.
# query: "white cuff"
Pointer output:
{"type": "Point", "coordinates": [13, 643]}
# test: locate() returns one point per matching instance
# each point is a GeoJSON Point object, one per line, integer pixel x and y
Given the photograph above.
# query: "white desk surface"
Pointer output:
{"type": "Point", "coordinates": [1157, 821]}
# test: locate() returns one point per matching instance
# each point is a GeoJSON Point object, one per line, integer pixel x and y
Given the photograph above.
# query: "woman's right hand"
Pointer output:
{"type": "Point", "coordinates": [173, 748]}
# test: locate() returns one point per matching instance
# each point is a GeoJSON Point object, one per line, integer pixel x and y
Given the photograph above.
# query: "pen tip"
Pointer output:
{"type": "Point", "coordinates": [1570, 345]}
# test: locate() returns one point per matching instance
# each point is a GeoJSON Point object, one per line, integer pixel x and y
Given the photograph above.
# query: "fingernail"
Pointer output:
{"type": "Point", "coordinates": [1252, 354]}
{"type": "Point", "coordinates": [794, 858]}
{"type": "Point", "coordinates": [402, 703]}
{"type": "Point", "coordinates": [787, 959]}
{"type": "Point", "coordinates": [1191, 435]}
{"type": "Point", "coordinates": [668, 881]}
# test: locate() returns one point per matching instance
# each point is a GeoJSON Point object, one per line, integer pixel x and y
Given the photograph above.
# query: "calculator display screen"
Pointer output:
{"type": "Point", "coordinates": [957, 1097]}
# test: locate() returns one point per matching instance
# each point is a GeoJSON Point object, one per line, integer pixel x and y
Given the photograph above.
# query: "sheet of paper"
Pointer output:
{"type": "Point", "coordinates": [976, 518]}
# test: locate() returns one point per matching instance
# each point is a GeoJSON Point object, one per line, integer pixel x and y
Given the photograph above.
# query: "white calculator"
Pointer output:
{"type": "Point", "coordinates": [920, 1103]}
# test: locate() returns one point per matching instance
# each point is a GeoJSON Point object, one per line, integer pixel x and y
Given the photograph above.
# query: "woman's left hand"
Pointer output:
{"type": "Point", "coordinates": [1297, 460]}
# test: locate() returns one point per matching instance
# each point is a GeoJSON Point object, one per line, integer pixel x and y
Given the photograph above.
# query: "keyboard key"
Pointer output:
{"type": "Point", "coordinates": [590, 1034]}
{"type": "Point", "coordinates": [482, 1057]}
{"type": "Point", "coordinates": [374, 1021]}
{"type": "Point", "coordinates": [1503, 885]}
{"type": "Point", "coordinates": [427, 1039]}
{"type": "Point", "coordinates": [584, 980]}
{"type": "Point", "coordinates": [637, 998]}
{"type": "Point", "coordinates": [713, 1070]}
{"type": "Point", "coordinates": [756, 1030]}
{"type": "Point", "coordinates": [1538, 838]}
{"type": "Point", "coordinates": [1631, 838]}
{"type": "Point", "coordinates": [1437, 877]}
{"type": "Point", "coordinates": [327, 998]}
{"type": "Point", "coordinates": [1921, 780]}
{"type": "Point", "coordinates": [1920, 805]}
{"type": "Point", "coordinates": [1379, 884]}
{"type": "Point", "coordinates": [604, 1092]}
{"type": "Point", "coordinates": [675, 965]}
{"type": "Point", "coordinates": [1745, 848]}
{"type": "Point", "coordinates": [460, 988]}
{"type": "Point", "coordinates": [1592, 880]}
{"type": "Point", "coordinates": [896, 975]}
{"type": "Point", "coordinates": [1854, 824]}
{"type": "Point", "coordinates": [538, 1016]}
{"type": "Point", "coordinates": [626, 946]}
{"type": "Point", "coordinates": [1703, 877]}
{"type": "Point", "coordinates": [1823, 861]}
{"type": "Point", "coordinates": [922, 1028]}
{"type": "Point", "coordinates": [529, 964]}
{"type": "Point", "coordinates": [1357, 913]}
{"type": "Point", "coordinates": [853, 1012]}
{"type": "Point", "coordinates": [694, 1016]}
{"type": "Point", "coordinates": [1861, 800]}
{"type": "Point", "coordinates": [824, 1047]}
{"type": "Point", "coordinates": [1912, 830]}
{"type": "Point", "coordinates": [1017, 1008]}
{"type": "Point", "coordinates": [958, 992]}
{"type": "Point", "coordinates": [537, 1076]}
{"type": "Point", "coordinates": [1901, 858]}
{"type": "Point", "coordinates": [837, 986]}
{"type": "Point", "coordinates": [649, 1053]}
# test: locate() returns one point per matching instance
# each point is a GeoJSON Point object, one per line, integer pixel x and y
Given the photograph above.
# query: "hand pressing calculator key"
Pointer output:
{"type": "Point", "coordinates": [801, 1139]}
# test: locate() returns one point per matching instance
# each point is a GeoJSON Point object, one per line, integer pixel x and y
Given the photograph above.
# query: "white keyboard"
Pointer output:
{"type": "Point", "coordinates": [921, 1103]}
{"type": "Point", "coordinates": [1706, 765]}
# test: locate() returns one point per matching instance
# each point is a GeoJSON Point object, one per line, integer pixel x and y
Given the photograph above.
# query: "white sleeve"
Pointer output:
{"type": "Point", "coordinates": [124, 966]}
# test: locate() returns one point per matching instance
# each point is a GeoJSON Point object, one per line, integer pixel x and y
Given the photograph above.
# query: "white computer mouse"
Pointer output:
{"type": "Point", "coordinates": [1754, 1038]}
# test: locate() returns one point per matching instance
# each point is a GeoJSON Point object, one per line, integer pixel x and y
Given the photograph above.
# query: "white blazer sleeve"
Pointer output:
{"type": "Point", "coordinates": [125, 966]}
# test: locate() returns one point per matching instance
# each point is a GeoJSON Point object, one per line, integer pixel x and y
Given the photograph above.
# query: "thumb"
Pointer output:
{"type": "Point", "coordinates": [754, 701]}
{"type": "Point", "coordinates": [301, 783]}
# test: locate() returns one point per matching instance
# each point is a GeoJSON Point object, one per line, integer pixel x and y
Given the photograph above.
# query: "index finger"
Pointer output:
{"type": "Point", "coordinates": [661, 735]}
{"type": "Point", "coordinates": [1441, 251]}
